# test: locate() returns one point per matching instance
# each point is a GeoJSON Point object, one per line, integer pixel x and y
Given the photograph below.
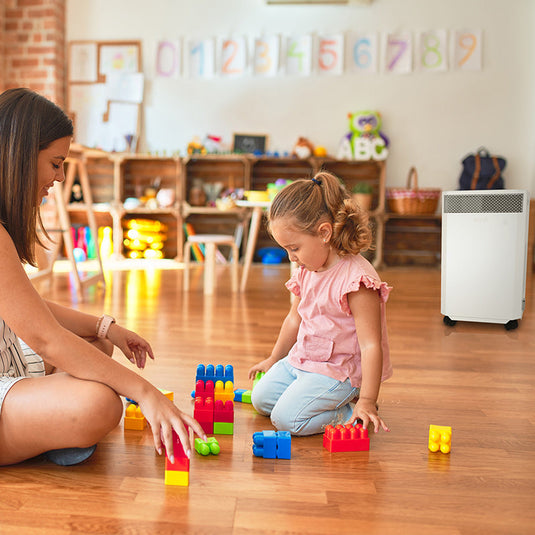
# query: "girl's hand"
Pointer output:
{"type": "Point", "coordinates": [366, 410]}
{"type": "Point", "coordinates": [163, 416]}
{"type": "Point", "coordinates": [134, 347]}
{"type": "Point", "coordinates": [262, 366]}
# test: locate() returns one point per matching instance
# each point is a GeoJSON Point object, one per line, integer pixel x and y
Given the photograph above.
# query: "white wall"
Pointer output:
{"type": "Point", "coordinates": [432, 120]}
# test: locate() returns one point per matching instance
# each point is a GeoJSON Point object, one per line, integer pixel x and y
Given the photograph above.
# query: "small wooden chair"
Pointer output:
{"type": "Point", "coordinates": [210, 242]}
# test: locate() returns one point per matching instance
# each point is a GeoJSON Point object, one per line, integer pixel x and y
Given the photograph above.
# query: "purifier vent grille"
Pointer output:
{"type": "Point", "coordinates": [484, 203]}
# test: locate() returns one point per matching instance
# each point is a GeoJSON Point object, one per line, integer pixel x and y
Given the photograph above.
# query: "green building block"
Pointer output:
{"type": "Point", "coordinates": [223, 428]}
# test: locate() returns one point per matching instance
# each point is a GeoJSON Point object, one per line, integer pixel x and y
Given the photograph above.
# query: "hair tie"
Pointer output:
{"type": "Point", "coordinates": [316, 181]}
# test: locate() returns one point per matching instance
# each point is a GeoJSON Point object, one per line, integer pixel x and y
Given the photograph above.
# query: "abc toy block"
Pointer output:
{"type": "Point", "coordinates": [223, 412]}
{"type": "Point", "coordinates": [133, 418]}
{"type": "Point", "coordinates": [224, 391]}
{"type": "Point", "coordinates": [346, 438]}
{"type": "Point", "coordinates": [439, 438]}
{"type": "Point", "coordinates": [204, 389]}
{"type": "Point", "coordinates": [223, 428]}
{"type": "Point", "coordinates": [257, 378]}
{"type": "Point", "coordinates": [210, 446]}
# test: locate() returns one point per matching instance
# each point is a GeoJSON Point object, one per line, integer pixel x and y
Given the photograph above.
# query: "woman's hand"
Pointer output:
{"type": "Point", "coordinates": [366, 410]}
{"type": "Point", "coordinates": [262, 366]}
{"type": "Point", "coordinates": [134, 347]}
{"type": "Point", "coordinates": [163, 416]}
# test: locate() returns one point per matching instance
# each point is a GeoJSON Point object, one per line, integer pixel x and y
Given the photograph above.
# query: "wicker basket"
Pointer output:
{"type": "Point", "coordinates": [412, 200]}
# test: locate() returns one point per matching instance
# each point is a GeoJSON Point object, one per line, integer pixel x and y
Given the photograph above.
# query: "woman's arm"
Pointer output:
{"type": "Point", "coordinates": [31, 319]}
{"type": "Point", "coordinates": [365, 306]}
{"type": "Point", "coordinates": [285, 341]}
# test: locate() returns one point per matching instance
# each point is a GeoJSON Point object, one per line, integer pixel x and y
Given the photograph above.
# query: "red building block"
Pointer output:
{"type": "Point", "coordinates": [177, 473]}
{"type": "Point", "coordinates": [224, 412]}
{"type": "Point", "coordinates": [204, 390]}
{"type": "Point", "coordinates": [203, 412]}
{"type": "Point", "coordinates": [346, 438]}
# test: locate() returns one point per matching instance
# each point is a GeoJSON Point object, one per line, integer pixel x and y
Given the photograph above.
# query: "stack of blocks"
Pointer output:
{"type": "Point", "coordinates": [272, 444]}
{"type": "Point", "coordinates": [214, 395]}
{"type": "Point", "coordinates": [177, 472]}
{"type": "Point", "coordinates": [346, 438]}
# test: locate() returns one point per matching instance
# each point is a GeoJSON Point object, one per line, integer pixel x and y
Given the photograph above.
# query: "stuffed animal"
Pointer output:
{"type": "Point", "coordinates": [303, 148]}
{"type": "Point", "coordinates": [366, 139]}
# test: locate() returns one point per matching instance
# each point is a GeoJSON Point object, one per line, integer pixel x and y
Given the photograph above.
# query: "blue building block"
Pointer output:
{"type": "Point", "coordinates": [215, 373]}
{"type": "Point", "coordinates": [242, 395]}
{"type": "Point", "coordinates": [272, 444]}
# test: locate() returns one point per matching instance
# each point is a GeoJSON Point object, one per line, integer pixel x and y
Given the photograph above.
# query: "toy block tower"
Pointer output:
{"type": "Point", "coordinates": [439, 438]}
{"type": "Point", "coordinates": [177, 473]}
{"type": "Point", "coordinates": [214, 395]}
{"type": "Point", "coordinates": [133, 417]}
{"type": "Point", "coordinates": [346, 438]}
{"type": "Point", "coordinates": [272, 444]}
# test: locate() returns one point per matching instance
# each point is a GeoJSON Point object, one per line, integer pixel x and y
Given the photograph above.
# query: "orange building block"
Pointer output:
{"type": "Point", "coordinates": [224, 392]}
{"type": "Point", "coordinates": [439, 438]}
{"type": "Point", "coordinates": [133, 418]}
{"type": "Point", "coordinates": [346, 438]}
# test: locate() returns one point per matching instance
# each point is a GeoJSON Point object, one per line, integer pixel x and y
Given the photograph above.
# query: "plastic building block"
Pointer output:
{"type": "Point", "coordinates": [346, 438]}
{"type": "Point", "coordinates": [242, 395]}
{"type": "Point", "coordinates": [223, 412]}
{"type": "Point", "coordinates": [211, 446]}
{"type": "Point", "coordinates": [168, 394]}
{"type": "Point", "coordinates": [223, 428]}
{"type": "Point", "coordinates": [440, 438]}
{"type": "Point", "coordinates": [133, 418]}
{"type": "Point", "coordinates": [217, 373]}
{"type": "Point", "coordinates": [257, 378]}
{"type": "Point", "coordinates": [204, 389]}
{"type": "Point", "coordinates": [272, 444]}
{"type": "Point", "coordinates": [203, 412]}
{"type": "Point", "coordinates": [177, 472]}
{"type": "Point", "coordinates": [224, 392]}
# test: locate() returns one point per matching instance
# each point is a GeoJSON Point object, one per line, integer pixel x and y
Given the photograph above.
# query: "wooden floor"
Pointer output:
{"type": "Point", "coordinates": [477, 378]}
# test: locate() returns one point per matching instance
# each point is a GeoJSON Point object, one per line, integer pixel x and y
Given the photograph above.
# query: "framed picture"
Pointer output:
{"type": "Point", "coordinates": [249, 143]}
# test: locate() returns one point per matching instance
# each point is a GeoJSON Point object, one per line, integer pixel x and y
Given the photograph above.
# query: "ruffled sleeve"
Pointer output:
{"type": "Point", "coordinates": [368, 282]}
{"type": "Point", "coordinates": [293, 284]}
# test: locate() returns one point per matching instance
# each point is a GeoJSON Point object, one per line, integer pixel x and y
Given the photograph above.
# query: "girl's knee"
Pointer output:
{"type": "Point", "coordinates": [260, 403]}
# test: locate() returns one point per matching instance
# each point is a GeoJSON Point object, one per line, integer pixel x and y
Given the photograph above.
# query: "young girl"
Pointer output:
{"type": "Point", "coordinates": [62, 397]}
{"type": "Point", "coordinates": [332, 346]}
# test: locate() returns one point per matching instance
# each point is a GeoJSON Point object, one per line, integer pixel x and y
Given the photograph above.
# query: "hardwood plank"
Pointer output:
{"type": "Point", "coordinates": [478, 378]}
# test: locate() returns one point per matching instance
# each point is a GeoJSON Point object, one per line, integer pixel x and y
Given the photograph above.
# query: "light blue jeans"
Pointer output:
{"type": "Point", "coordinates": [302, 402]}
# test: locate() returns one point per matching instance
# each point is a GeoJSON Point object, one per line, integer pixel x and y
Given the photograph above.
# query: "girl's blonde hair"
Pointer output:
{"type": "Point", "coordinates": [309, 202]}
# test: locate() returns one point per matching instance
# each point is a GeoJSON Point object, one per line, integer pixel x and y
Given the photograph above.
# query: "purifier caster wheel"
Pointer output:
{"type": "Point", "coordinates": [448, 321]}
{"type": "Point", "coordinates": [511, 325]}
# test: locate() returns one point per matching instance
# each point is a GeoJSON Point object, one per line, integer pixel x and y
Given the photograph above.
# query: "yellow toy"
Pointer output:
{"type": "Point", "coordinates": [133, 418]}
{"type": "Point", "coordinates": [440, 438]}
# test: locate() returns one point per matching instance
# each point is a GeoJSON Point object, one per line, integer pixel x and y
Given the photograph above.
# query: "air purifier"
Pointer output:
{"type": "Point", "coordinates": [484, 256]}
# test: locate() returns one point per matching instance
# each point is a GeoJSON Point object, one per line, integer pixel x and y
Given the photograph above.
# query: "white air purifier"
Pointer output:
{"type": "Point", "coordinates": [484, 256]}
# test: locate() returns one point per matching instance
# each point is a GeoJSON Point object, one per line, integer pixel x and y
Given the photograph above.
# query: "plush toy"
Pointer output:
{"type": "Point", "coordinates": [367, 142]}
{"type": "Point", "coordinates": [303, 148]}
{"type": "Point", "coordinates": [196, 147]}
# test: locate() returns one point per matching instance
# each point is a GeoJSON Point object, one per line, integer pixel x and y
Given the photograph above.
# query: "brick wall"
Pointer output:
{"type": "Point", "coordinates": [32, 42]}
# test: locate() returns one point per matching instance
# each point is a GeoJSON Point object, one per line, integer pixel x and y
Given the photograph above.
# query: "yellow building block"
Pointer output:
{"type": "Point", "coordinates": [133, 418]}
{"type": "Point", "coordinates": [167, 393]}
{"type": "Point", "coordinates": [440, 438]}
{"type": "Point", "coordinates": [224, 392]}
{"type": "Point", "coordinates": [176, 477]}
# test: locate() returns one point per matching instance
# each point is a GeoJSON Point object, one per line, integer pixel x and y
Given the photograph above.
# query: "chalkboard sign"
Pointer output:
{"type": "Point", "coordinates": [250, 143]}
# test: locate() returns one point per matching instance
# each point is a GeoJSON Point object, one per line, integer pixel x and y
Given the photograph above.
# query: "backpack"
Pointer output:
{"type": "Point", "coordinates": [482, 171]}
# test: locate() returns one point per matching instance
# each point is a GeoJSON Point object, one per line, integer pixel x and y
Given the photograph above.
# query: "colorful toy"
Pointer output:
{"type": "Point", "coordinates": [257, 378]}
{"type": "Point", "coordinates": [346, 438]}
{"type": "Point", "coordinates": [177, 472]}
{"type": "Point", "coordinates": [224, 392]}
{"type": "Point", "coordinates": [211, 446]}
{"type": "Point", "coordinates": [196, 147]}
{"type": "Point", "coordinates": [144, 238]}
{"type": "Point", "coordinates": [303, 148]}
{"type": "Point", "coordinates": [217, 373]}
{"type": "Point", "coordinates": [272, 444]}
{"type": "Point", "coordinates": [365, 141]}
{"type": "Point", "coordinates": [133, 417]}
{"type": "Point", "coordinates": [439, 438]}
{"type": "Point", "coordinates": [242, 395]}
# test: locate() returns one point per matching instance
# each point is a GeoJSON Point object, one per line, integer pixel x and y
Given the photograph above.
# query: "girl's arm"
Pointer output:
{"type": "Point", "coordinates": [30, 318]}
{"type": "Point", "coordinates": [285, 341]}
{"type": "Point", "coordinates": [365, 306]}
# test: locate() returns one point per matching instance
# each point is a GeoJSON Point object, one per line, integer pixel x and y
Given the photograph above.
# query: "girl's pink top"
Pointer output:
{"type": "Point", "coordinates": [327, 339]}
